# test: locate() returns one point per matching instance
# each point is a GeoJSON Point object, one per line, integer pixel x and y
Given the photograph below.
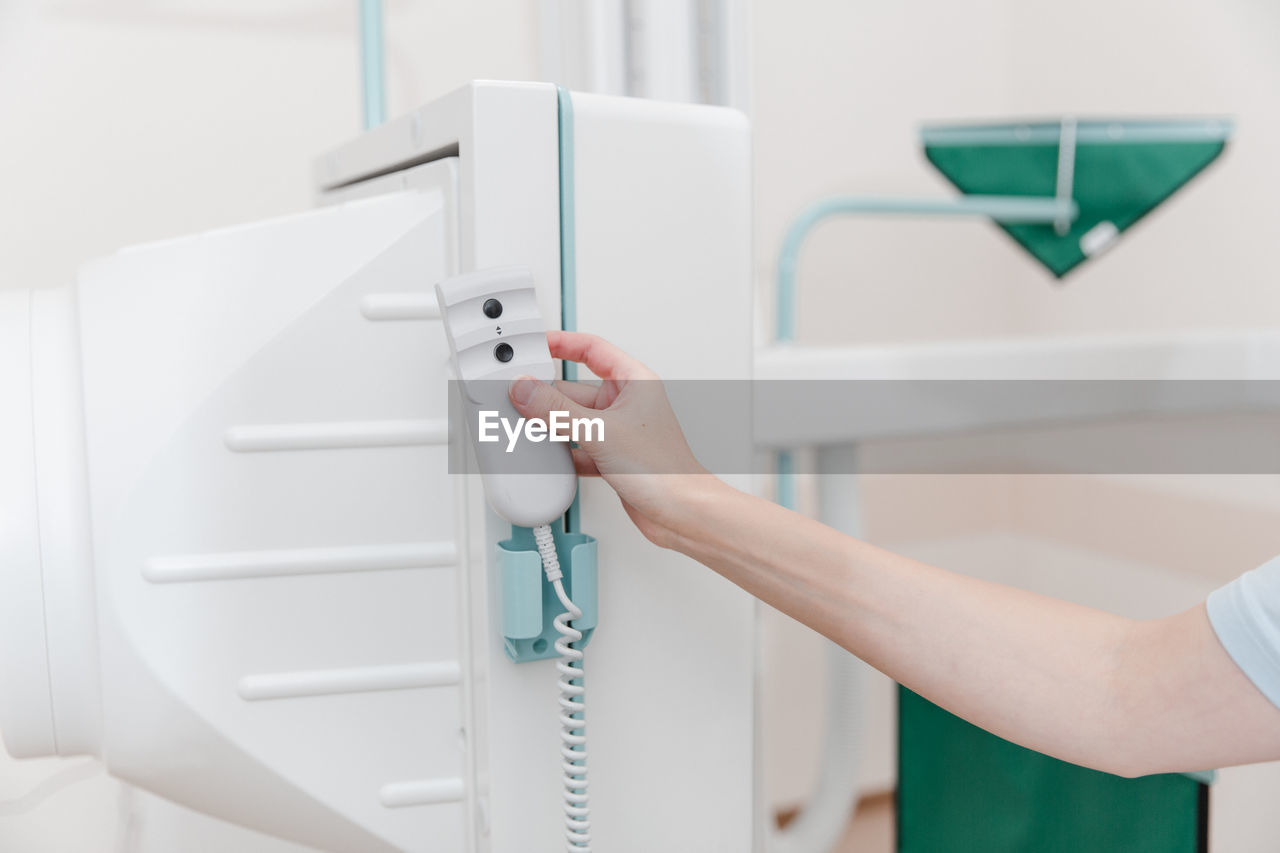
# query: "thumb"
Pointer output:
{"type": "Point", "coordinates": [535, 399]}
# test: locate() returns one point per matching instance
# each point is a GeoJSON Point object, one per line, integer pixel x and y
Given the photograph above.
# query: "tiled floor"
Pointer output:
{"type": "Point", "coordinates": [871, 830]}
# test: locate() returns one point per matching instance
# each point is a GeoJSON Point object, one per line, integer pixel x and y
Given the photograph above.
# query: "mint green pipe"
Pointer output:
{"type": "Point", "coordinates": [1008, 209]}
{"type": "Point", "coordinates": [372, 64]}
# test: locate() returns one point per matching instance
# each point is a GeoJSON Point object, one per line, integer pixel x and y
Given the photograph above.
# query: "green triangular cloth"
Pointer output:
{"type": "Point", "coordinates": [1122, 170]}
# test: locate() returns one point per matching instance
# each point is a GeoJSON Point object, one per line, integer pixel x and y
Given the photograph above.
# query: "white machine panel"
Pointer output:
{"type": "Point", "coordinates": [663, 229]}
{"type": "Point", "coordinates": [274, 527]}
{"type": "Point", "coordinates": [237, 543]}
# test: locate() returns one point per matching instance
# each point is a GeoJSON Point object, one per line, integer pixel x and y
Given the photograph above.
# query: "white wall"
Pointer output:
{"type": "Point", "coordinates": [129, 121]}
{"type": "Point", "coordinates": [132, 120]}
{"type": "Point", "coordinates": [839, 90]}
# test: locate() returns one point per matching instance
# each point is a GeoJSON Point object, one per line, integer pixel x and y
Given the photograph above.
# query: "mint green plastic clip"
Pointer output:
{"type": "Point", "coordinates": [529, 604]}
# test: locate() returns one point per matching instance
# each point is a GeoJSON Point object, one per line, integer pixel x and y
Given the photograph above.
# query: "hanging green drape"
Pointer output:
{"type": "Point", "coordinates": [963, 790]}
{"type": "Point", "coordinates": [1121, 170]}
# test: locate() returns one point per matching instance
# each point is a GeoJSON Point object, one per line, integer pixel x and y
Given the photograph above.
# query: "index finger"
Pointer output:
{"type": "Point", "coordinates": [601, 357]}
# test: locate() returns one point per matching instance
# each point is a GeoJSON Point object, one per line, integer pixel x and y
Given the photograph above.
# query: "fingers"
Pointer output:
{"type": "Point", "coordinates": [579, 392]}
{"type": "Point", "coordinates": [601, 357]}
{"type": "Point", "coordinates": [535, 399]}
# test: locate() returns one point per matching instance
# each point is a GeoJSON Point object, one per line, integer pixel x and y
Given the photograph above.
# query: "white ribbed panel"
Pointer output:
{"type": "Point", "coordinates": [231, 565]}
{"type": "Point", "coordinates": [259, 438]}
{"type": "Point", "coordinates": [400, 306]}
{"type": "Point", "coordinates": [422, 792]}
{"type": "Point", "coordinates": [365, 679]}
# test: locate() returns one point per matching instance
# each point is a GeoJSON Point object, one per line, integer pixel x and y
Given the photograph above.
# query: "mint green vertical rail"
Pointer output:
{"type": "Point", "coordinates": [568, 294]}
{"type": "Point", "coordinates": [1008, 209]}
{"type": "Point", "coordinates": [568, 253]}
{"type": "Point", "coordinates": [372, 64]}
{"type": "Point", "coordinates": [569, 309]}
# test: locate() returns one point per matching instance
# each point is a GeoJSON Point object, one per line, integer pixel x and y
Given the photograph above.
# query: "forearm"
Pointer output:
{"type": "Point", "coordinates": [1111, 693]}
{"type": "Point", "coordinates": [1044, 673]}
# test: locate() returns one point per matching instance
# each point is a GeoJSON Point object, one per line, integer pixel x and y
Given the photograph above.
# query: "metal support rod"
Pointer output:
{"type": "Point", "coordinates": [824, 818]}
{"type": "Point", "coordinates": [1065, 188]}
{"type": "Point", "coordinates": [822, 821]}
{"type": "Point", "coordinates": [1009, 209]}
{"type": "Point", "coordinates": [372, 64]}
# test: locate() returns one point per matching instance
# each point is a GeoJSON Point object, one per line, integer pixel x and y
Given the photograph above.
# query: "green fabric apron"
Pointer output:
{"type": "Point", "coordinates": [1122, 171]}
{"type": "Point", "coordinates": [963, 790]}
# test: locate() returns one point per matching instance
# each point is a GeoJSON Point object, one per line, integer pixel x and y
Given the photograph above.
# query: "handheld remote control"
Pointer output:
{"type": "Point", "coordinates": [495, 334]}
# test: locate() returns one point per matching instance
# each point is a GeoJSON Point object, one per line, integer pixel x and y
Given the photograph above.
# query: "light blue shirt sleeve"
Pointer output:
{"type": "Point", "coordinates": [1245, 615]}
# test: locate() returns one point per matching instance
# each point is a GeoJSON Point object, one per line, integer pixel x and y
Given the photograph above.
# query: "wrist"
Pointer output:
{"type": "Point", "coordinates": [695, 500]}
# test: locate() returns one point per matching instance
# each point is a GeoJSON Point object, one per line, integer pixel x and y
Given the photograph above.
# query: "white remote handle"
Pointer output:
{"type": "Point", "coordinates": [496, 334]}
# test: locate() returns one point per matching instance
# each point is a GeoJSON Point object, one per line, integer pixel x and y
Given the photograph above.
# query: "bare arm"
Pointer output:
{"type": "Point", "coordinates": [1126, 696]}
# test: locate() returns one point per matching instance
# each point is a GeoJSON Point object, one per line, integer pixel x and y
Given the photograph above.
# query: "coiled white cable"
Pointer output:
{"type": "Point", "coordinates": [573, 736]}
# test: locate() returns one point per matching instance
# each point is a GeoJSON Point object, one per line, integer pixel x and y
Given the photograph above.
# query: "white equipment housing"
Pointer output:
{"type": "Point", "coordinates": [236, 567]}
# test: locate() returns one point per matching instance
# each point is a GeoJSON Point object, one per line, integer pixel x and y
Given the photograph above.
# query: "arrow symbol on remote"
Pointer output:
{"type": "Point", "coordinates": [499, 330]}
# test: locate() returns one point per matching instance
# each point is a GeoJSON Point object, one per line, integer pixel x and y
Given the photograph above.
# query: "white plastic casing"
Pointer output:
{"type": "Point", "coordinates": [229, 536]}
{"type": "Point", "coordinates": [234, 565]}
{"type": "Point", "coordinates": [527, 483]}
{"type": "Point", "coordinates": [50, 696]}
{"type": "Point", "coordinates": [26, 708]}
{"type": "Point", "coordinates": [275, 536]}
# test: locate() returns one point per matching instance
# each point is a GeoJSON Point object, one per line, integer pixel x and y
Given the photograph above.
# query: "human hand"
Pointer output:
{"type": "Point", "coordinates": [644, 455]}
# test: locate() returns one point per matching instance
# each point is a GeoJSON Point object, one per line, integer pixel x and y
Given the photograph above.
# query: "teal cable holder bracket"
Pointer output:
{"type": "Point", "coordinates": [529, 604]}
